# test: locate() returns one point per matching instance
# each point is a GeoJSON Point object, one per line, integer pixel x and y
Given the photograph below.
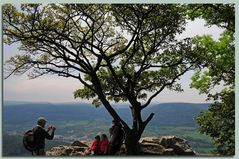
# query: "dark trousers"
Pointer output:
{"type": "Point", "coordinates": [113, 149]}
{"type": "Point", "coordinates": [39, 152]}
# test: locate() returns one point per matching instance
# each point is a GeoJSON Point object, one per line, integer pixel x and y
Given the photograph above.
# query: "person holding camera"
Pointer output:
{"type": "Point", "coordinates": [40, 134]}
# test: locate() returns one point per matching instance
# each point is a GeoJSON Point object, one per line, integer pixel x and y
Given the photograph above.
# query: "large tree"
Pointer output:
{"type": "Point", "coordinates": [118, 52]}
{"type": "Point", "coordinates": [218, 62]}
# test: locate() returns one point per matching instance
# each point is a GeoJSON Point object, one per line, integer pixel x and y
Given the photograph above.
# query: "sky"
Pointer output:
{"type": "Point", "coordinates": [57, 89]}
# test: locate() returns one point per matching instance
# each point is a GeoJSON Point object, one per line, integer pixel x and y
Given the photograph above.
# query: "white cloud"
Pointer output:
{"type": "Point", "coordinates": [48, 88]}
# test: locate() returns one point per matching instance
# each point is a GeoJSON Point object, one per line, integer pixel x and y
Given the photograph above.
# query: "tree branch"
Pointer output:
{"type": "Point", "coordinates": [162, 88]}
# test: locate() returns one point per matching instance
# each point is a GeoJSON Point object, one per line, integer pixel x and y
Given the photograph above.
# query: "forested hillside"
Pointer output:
{"type": "Point", "coordinates": [180, 114]}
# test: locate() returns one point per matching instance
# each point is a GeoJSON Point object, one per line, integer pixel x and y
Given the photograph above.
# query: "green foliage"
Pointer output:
{"type": "Point", "coordinates": [219, 122]}
{"type": "Point", "coordinates": [84, 93]}
{"type": "Point", "coordinates": [87, 93]}
{"type": "Point", "coordinates": [202, 83]}
{"type": "Point", "coordinates": [217, 58]}
{"type": "Point", "coordinates": [222, 15]}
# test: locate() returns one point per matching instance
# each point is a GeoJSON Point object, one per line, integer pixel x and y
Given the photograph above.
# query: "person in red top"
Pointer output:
{"type": "Point", "coordinates": [95, 146]}
{"type": "Point", "coordinates": [104, 143]}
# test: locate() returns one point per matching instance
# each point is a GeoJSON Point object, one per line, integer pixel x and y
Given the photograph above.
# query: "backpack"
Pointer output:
{"type": "Point", "coordinates": [29, 140]}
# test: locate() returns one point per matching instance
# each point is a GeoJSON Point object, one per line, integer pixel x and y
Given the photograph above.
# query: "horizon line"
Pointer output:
{"type": "Point", "coordinates": [154, 102]}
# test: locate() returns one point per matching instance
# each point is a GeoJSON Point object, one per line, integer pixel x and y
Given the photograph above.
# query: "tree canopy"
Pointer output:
{"type": "Point", "coordinates": [218, 62]}
{"type": "Point", "coordinates": [130, 48]}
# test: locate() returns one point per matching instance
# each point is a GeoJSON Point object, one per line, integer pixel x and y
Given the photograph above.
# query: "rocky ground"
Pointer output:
{"type": "Point", "coordinates": [165, 145]}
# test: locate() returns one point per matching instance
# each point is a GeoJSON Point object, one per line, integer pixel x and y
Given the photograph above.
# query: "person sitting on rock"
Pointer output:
{"type": "Point", "coordinates": [94, 149]}
{"type": "Point", "coordinates": [95, 146]}
{"type": "Point", "coordinates": [104, 143]}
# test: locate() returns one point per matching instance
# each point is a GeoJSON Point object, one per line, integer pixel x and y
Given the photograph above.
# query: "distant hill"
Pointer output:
{"type": "Point", "coordinates": [21, 113]}
{"type": "Point", "coordinates": [165, 113]}
{"type": "Point", "coordinates": [175, 114]}
{"type": "Point", "coordinates": [9, 103]}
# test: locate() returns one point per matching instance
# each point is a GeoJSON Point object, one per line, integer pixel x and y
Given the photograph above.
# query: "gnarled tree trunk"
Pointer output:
{"type": "Point", "coordinates": [132, 136]}
{"type": "Point", "coordinates": [132, 142]}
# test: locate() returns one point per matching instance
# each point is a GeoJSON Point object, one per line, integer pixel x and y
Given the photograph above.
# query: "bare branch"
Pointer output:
{"type": "Point", "coordinates": [162, 88]}
{"type": "Point", "coordinates": [148, 119]}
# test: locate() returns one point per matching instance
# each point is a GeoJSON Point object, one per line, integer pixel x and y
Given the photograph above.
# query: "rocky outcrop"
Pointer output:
{"type": "Point", "coordinates": [77, 148]}
{"type": "Point", "coordinates": [66, 151]}
{"type": "Point", "coordinates": [80, 143]}
{"type": "Point", "coordinates": [165, 145]}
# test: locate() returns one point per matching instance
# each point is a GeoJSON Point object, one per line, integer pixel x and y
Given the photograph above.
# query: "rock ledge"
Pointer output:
{"type": "Point", "coordinates": [165, 145]}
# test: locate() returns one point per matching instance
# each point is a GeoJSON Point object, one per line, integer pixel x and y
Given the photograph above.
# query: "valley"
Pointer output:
{"type": "Point", "coordinates": [83, 121]}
